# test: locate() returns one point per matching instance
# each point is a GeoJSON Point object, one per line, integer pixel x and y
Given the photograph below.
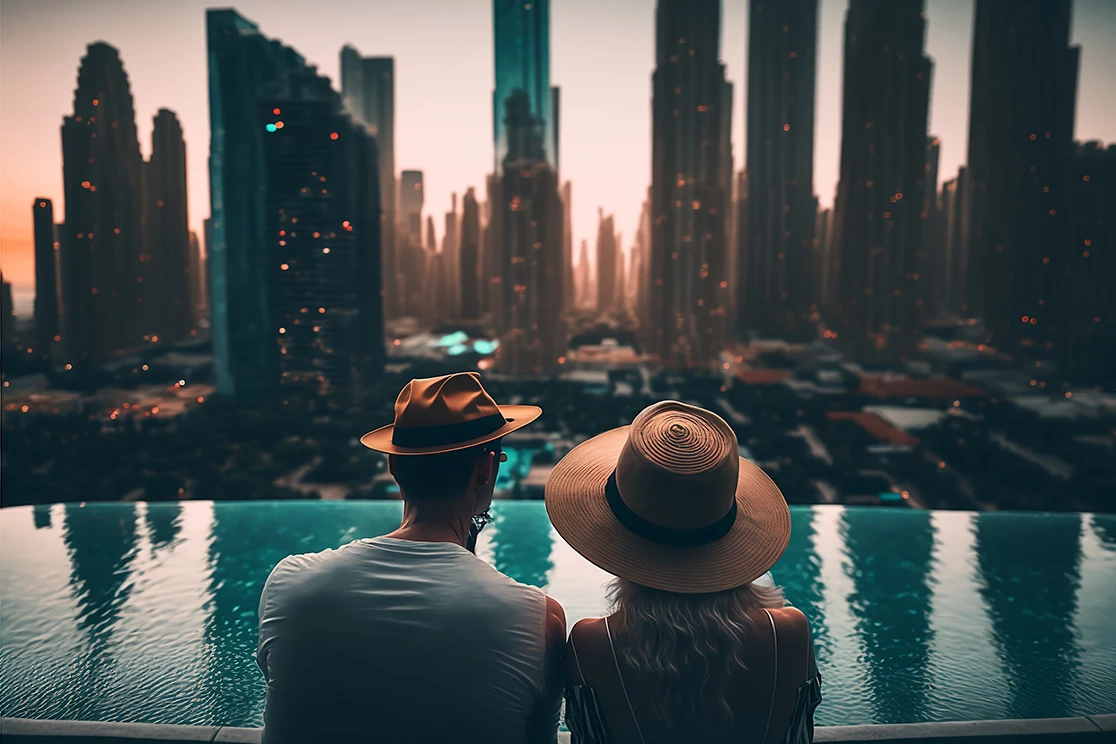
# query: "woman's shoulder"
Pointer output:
{"type": "Point", "coordinates": [588, 640]}
{"type": "Point", "coordinates": [791, 617]}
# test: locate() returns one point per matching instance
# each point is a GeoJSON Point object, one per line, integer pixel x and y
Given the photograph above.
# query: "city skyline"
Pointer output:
{"type": "Point", "coordinates": [30, 121]}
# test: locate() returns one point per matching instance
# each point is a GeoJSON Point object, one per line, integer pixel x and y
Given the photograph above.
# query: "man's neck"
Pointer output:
{"type": "Point", "coordinates": [435, 521]}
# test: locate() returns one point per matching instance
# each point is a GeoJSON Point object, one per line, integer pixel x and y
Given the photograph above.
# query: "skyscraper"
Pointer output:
{"type": "Point", "coordinates": [322, 216]}
{"type": "Point", "coordinates": [689, 172]}
{"type": "Point", "coordinates": [102, 242]}
{"type": "Point", "coordinates": [293, 244]}
{"type": "Point", "coordinates": [584, 277]}
{"type": "Point", "coordinates": [878, 225]}
{"type": "Point", "coordinates": [197, 279]}
{"type": "Point", "coordinates": [522, 46]}
{"type": "Point", "coordinates": [1084, 309]}
{"type": "Point", "coordinates": [777, 274]}
{"type": "Point", "coordinates": [1023, 94]}
{"type": "Point", "coordinates": [932, 258]}
{"type": "Point", "coordinates": [7, 312]}
{"type": "Point", "coordinates": [530, 251]}
{"type": "Point", "coordinates": [47, 328]}
{"type": "Point", "coordinates": [368, 91]}
{"type": "Point", "coordinates": [827, 271]}
{"type": "Point", "coordinates": [411, 257]}
{"type": "Point", "coordinates": [568, 299]}
{"type": "Point", "coordinates": [451, 250]}
{"type": "Point", "coordinates": [953, 213]}
{"type": "Point", "coordinates": [527, 221]}
{"type": "Point", "coordinates": [608, 253]}
{"type": "Point", "coordinates": [470, 275]}
{"type": "Point", "coordinates": [167, 311]}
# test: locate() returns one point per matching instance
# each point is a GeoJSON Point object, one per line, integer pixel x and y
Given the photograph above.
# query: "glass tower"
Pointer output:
{"type": "Point", "coordinates": [522, 38]}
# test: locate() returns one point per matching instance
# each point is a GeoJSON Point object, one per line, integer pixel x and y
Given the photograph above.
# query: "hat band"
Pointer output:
{"type": "Point", "coordinates": [443, 434]}
{"type": "Point", "coordinates": [665, 535]}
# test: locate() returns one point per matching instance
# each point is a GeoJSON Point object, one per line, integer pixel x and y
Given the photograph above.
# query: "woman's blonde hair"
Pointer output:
{"type": "Point", "coordinates": [689, 644]}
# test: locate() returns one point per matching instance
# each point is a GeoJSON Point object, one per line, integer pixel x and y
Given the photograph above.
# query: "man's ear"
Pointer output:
{"type": "Point", "coordinates": [487, 468]}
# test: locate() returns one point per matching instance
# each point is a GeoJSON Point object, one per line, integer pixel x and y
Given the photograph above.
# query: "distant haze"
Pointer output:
{"type": "Point", "coordinates": [601, 56]}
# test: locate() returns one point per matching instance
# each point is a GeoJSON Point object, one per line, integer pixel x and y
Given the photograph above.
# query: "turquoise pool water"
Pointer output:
{"type": "Point", "coordinates": [147, 612]}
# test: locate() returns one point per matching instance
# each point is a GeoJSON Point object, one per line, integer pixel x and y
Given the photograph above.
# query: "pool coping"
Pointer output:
{"type": "Point", "coordinates": [1096, 728]}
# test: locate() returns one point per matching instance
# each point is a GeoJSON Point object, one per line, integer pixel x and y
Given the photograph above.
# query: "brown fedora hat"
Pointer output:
{"type": "Point", "coordinates": [445, 414]}
{"type": "Point", "coordinates": [669, 503]}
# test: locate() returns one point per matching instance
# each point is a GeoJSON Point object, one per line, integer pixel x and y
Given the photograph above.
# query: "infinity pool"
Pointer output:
{"type": "Point", "coordinates": [147, 612]}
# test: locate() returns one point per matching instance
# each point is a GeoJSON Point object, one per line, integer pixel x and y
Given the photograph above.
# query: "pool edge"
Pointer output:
{"type": "Point", "coordinates": [1096, 728]}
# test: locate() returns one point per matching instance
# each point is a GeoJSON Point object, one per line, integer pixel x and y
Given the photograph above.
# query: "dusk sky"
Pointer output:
{"type": "Point", "coordinates": [601, 56]}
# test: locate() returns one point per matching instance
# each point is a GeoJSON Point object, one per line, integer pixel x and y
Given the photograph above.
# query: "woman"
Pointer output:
{"type": "Point", "coordinates": [699, 646]}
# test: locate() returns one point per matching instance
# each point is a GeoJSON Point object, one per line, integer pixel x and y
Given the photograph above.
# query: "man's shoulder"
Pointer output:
{"type": "Point", "coordinates": [304, 565]}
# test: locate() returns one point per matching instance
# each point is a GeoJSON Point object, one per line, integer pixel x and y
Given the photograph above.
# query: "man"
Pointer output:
{"type": "Point", "coordinates": [410, 637]}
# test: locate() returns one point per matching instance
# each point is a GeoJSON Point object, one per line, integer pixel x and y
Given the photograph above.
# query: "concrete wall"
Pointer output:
{"type": "Point", "coordinates": [1085, 730]}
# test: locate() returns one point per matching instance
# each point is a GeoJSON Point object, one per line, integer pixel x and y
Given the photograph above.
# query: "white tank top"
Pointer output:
{"type": "Point", "coordinates": [401, 641]}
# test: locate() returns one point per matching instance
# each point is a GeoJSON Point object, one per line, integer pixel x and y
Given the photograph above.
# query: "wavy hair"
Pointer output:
{"type": "Point", "coordinates": [690, 644]}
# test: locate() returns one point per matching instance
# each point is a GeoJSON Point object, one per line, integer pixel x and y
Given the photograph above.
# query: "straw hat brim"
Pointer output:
{"type": "Point", "coordinates": [515, 417]}
{"type": "Point", "coordinates": [578, 509]}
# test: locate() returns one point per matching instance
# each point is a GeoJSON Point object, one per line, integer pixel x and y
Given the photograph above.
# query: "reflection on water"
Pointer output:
{"type": "Point", "coordinates": [1030, 583]}
{"type": "Point", "coordinates": [163, 523]}
{"type": "Point", "coordinates": [521, 542]}
{"type": "Point", "coordinates": [101, 544]}
{"type": "Point", "coordinates": [148, 612]}
{"type": "Point", "coordinates": [801, 562]}
{"type": "Point", "coordinates": [42, 516]}
{"type": "Point", "coordinates": [889, 556]}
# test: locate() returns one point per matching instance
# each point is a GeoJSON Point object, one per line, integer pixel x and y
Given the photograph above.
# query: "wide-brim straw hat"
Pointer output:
{"type": "Point", "coordinates": [668, 503]}
{"type": "Point", "coordinates": [445, 414]}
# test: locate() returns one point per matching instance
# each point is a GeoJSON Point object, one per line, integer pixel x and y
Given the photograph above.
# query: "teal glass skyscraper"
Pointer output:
{"type": "Point", "coordinates": [522, 38]}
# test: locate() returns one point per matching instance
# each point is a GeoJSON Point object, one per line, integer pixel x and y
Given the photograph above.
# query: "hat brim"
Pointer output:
{"type": "Point", "coordinates": [579, 511]}
{"type": "Point", "coordinates": [515, 417]}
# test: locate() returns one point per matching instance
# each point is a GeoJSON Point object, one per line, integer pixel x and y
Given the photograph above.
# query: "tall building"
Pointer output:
{"type": "Point", "coordinates": [640, 274]}
{"type": "Point", "coordinates": [168, 313]}
{"type": "Point", "coordinates": [368, 91]}
{"type": "Point", "coordinates": [102, 243]}
{"type": "Point", "coordinates": [530, 251]}
{"type": "Point", "coordinates": [689, 177]}
{"type": "Point", "coordinates": [197, 280]}
{"type": "Point", "coordinates": [492, 280]}
{"type": "Point", "coordinates": [322, 212]}
{"type": "Point", "coordinates": [826, 268]}
{"type": "Point", "coordinates": [522, 55]}
{"type": "Point", "coordinates": [451, 248]}
{"type": "Point", "coordinates": [777, 274]}
{"type": "Point", "coordinates": [1084, 308]}
{"type": "Point", "coordinates": [293, 244]}
{"type": "Point", "coordinates": [1023, 94]}
{"type": "Point", "coordinates": [527, 221]}
{"type": "Point", "coordinates": [608, 254]}
{"type": "Point", "coordinates": [7, 312]}
{"type": "Point", "coordinates": [569, 301]}
{"type": "Point", "coordinates": [48, 329]}
{"type": "Point", "coordinates": [411, 256]}
{"type": "Point", "coordinates": [953, 213]}
{"type": "Point", "coordinates": [932, 258]}
{"type": "Point", "coordinates": [878, 226]}
{"type": "Point", "coordinates": [470, 275]}
{"type": "Point", "coordinates": [584, 278]}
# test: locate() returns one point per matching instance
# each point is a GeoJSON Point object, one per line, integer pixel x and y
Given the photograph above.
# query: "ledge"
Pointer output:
{"type": "Point", "coordinates": [1090, 729]}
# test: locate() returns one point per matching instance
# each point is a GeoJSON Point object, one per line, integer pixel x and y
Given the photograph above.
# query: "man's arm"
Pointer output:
{"type": "Point", "coordinates": [542, 726]}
